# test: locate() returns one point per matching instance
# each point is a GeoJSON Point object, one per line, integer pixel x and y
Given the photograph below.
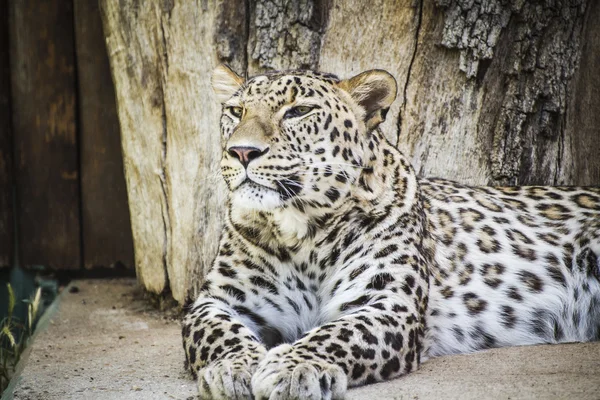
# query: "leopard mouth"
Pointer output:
{"type": "Point", "coordinates": [251, 195]}
{"type": "Point", "coordinates": [286, 188]}
{"type": "Point", "coordinates": [252, 184]}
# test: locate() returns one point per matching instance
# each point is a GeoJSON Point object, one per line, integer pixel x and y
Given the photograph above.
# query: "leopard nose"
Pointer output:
{"type": "Point", "coordinates": [246, 154]}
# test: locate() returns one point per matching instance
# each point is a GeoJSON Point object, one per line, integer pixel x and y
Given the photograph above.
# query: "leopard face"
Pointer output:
{"type": "Point", "coordinates": [296, 140]}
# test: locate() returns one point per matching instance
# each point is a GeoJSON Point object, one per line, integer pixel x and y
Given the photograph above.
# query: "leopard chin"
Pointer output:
{"type": "Point", "coordinates": [251, 196]}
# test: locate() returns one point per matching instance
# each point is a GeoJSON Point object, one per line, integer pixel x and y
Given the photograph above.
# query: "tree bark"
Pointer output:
{"type": "Point", "coordinates": [490, 92]}
{"type": "Point", "coordinates": [495, 111]}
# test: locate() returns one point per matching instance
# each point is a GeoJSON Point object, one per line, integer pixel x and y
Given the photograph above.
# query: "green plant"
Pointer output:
{"type": "Point", "coordinates": [15, 335]}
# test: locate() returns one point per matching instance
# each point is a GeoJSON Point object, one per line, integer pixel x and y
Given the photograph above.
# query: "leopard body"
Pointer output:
{"type": "Point", "coordinates": [338, 267]}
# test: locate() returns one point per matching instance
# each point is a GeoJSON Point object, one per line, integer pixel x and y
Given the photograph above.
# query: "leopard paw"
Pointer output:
{"type": "Point", "coordinates": [283, 375]}
{"type": "Point", "coordinates": [225, 379]}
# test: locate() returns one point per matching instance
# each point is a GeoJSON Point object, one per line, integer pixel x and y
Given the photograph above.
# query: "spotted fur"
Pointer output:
{"type": "Point", "coordinates": [337, 267]}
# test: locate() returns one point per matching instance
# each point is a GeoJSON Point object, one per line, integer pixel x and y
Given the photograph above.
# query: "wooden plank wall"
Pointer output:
{"type": "Point", "coordinates": [106, 231]}
{"type": "Point", "coordinates": [57, 100]}
{"type": "Point", "coordinates": [44, 116]}
{"type": "Point", "coordinates": [6, 192]}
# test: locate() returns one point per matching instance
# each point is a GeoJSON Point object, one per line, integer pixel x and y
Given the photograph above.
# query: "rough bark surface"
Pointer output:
{"type": "Point", "coordinates": [504, 117]}
{"type": "Point", "coordinates": [285, 34]}
{"type": "Point", "coordinates": [231, 34]}
{"type": "Point", "coordinates": [490, 92]}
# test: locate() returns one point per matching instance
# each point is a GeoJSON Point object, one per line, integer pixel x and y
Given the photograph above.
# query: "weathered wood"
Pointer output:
{"type": "Point", "coordinates": [44, 115]}
{"type": "Point", "coordinates": [441, 108]}
{"type": "Point", "coordinates": [372, 46]}
{"type": "Point", "coordinates": [106, 229]}
{"type": "Point", "coordinates": [134, 54]}
{"type": "Point", "coordinates": [6, 189]}
{"type": "Point", "coordinates": [161, 57]}
{"type": "Point", "coordinates": [231, 33]}
{"type": "Point", "coordinates": [582, 121]}
{"type": "Point", "coordinates": [489, 93]}
{"type": "Point", "coordinates": [489, 106]}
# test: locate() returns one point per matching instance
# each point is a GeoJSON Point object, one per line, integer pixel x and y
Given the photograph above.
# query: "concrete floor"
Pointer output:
{"type": "Point", "coordinates": [107, 342]}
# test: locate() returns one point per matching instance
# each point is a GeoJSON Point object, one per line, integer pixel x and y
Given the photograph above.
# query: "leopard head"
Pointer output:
{"type": "Point", "coordinates": [297, 139]}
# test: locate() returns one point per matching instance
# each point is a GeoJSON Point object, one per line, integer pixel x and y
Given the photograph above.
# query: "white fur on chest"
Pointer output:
{"type": "Point", "coordinates": [292, 224]}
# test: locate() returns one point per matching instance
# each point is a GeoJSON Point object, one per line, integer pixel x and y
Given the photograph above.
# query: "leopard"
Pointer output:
{"type": "Point", "coordinates": [338, 266]}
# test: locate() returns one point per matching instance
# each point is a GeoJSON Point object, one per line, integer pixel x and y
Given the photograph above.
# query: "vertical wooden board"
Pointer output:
{"type": "Point", "coordinates": [6, 192]}
{"type": "Point", "coordinates": [45, 140]}
{"type": "Point", "coordinates": [106, 229]}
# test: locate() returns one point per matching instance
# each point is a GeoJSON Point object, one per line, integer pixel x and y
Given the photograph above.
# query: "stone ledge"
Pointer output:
{"type": "Point", "coordinates": [106, 342]}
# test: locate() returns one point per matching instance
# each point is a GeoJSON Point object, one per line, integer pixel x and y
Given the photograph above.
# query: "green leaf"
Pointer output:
{"type": "Point", "coordinates": [11, 300]}
{"type": "Point", "coordinates": [6, 332]}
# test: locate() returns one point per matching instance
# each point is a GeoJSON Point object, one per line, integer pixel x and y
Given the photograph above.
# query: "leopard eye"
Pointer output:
{"type": "Point", "coordinates": [297, 111]}
{"type": "Point", "coordinates": [236, 111]}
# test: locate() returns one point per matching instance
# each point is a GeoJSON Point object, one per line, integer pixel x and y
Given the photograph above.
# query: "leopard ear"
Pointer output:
{"type": "Point", "coordinates": [374, 91]}
{"type": "Point", "coordinates": [225, 82]}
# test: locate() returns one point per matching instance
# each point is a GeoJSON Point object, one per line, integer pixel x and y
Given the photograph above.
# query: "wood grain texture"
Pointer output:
{"type": "Point", "coordinates": [134, 54]}
{"type": "Point", "coordinates": [582, 120]}
{"type": "Point", "coordinates": [44, 117]}
{"type": "Point", "coordinates": [106, 228]}
{"type": "Point", "coordinates": [438, 123]}
{"type": "Point", "coordinates": [6, 188]}
{"type": "Point", "coordinates": [385, 38]}
{"type": "Point", "coordinates": [161, 60]}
